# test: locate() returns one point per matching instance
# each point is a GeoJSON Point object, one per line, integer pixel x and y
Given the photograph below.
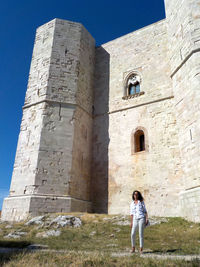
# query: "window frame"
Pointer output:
{"type": "Point", "coordinates": [135, 88]}
{"type": "Point", "coordinates": [134, 142]}
{"type": "Point", "coordinates": [126, 94]}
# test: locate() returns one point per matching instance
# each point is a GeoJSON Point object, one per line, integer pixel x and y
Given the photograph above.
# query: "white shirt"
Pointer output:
{"type": "Point", "coordinates": [138, 210]}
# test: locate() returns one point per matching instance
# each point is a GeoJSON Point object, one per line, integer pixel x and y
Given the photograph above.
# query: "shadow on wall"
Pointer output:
{"type": "Point", "coordinates": [99, 184]}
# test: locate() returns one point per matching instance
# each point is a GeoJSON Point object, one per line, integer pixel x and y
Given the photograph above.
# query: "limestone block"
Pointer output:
{"type": "Point", "coordinates": [190, 204]}
{"type": "Point", "coordinates": [59, 96]}
{"type": "Point", "coordinates": [77, 149]}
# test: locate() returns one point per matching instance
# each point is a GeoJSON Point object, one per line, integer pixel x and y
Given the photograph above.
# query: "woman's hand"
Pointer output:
{"type": "Point", "coordinates": [131, 225]}
{"type": "Point", "coordinates": [146, 218]}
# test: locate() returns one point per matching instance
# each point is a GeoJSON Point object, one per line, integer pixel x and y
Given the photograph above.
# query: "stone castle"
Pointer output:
{"type": "Point", "coordinates": [100, 122]}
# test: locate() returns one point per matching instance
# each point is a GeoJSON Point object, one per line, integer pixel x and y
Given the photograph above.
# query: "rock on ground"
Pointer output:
{"type": "Point", "coordinates": [154, 221]}
{"type": "Point", "coordinates": [59, 221]}
{"type": "Point", "coordinates": [66, 220]}
{"type": "Point", "coordinates": [49, 233]}
{"type": "Point", "coordinates": [15, 235]}
{"type": "Point", "coordinates": [36, 220]}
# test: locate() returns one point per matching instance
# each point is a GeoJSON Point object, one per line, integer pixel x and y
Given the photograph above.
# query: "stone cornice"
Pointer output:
{"type": "Point", "coordinates": [56, 102]}
{"type": "Point", "coordinates": [185, 59]}
{"type": "Point", "coordinates": [135, 106]}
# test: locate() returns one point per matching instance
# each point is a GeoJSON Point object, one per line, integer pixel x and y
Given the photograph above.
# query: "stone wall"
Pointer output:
{"type": "Point", "coordinates": [47, 168]}
{"type": "Point", "coordinates": [156, 171]}
{"type": "Point", "coordinates": [76, 147]}
{"type": "Point", "coordinates": [183, 19]}
{"type": "Point", "coordinates": [190, 203]}
{"type": "Point", "coordinates": [80, 183]}
{"type": "Point", "coordinates": [100, 142]}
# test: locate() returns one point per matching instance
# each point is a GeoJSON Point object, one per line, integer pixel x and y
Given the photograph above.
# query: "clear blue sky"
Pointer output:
{"type": "Point", "coordinates": [105, 20]}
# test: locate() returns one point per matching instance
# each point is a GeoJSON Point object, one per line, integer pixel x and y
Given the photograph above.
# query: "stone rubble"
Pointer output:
{"type": "Point", "coordinates": [36, 220]}
{"type": "Point", "coordinates": [50, 221]}
{"type": "Point", "coordinates": [15, 235]}
{"type": "Point", "coordinates": [66, 220]}
{"type": "Point", "coordinates": [49, 233]}
{"type": "Point", "coordinates": [59, 221]}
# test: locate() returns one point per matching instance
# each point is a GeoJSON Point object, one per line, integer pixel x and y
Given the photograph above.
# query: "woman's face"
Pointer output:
{"type": "Point", "coordinates": [136, 195]}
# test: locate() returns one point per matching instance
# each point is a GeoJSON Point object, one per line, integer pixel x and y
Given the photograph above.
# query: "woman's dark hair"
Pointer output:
{"type": "Point", "coordinates": [140, 197]}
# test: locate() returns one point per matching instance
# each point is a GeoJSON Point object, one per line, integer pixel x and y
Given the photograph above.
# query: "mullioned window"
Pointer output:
{"type": "Point", "coordinates": [132, 86]}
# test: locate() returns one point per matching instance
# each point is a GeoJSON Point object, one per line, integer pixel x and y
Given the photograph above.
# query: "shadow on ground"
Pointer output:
{"type": "Point", "coordinates": [14, 244]}
{"type": "Point", "coordinates": [162, 251]}
{"type": "Point", "coordinates": [9, 249]}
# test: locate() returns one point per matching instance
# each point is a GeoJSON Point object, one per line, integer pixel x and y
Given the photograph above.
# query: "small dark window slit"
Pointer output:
{"type": "Point", "coordinates": [142, 146]}
{"type": "Point", "coordinates": [139, 141]}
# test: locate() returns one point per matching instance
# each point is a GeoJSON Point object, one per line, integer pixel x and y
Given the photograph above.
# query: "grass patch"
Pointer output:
{"type": "Point", "coordinates": [94, 242]}
{"type": "Point", "coordinates": [84, 260]}
{"type": "Point", "coordinates": [177, 235]}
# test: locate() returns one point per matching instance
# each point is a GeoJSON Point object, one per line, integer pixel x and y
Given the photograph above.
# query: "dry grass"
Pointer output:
{"type": "Point", "coordinates": [94, 242]}
{"type": "Point", "coordinates": [81, 259]}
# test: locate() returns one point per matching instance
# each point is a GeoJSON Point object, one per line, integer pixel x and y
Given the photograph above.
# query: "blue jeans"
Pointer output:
{"type": "Point", "coordinates": [138, 223]}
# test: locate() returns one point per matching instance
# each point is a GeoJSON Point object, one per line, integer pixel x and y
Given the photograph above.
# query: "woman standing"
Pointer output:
{"type": "Point", "coordinates": [139, 218]}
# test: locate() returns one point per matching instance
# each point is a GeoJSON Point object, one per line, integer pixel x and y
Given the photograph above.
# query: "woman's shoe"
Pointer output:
{"type": "Point", "coordinates": [133, 250]}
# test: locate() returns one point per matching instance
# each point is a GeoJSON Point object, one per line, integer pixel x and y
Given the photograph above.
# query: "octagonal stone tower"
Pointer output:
{"type": "Point", "coordinates": [52, 165]}
{"type": "Point", "coordinates": [183, 21]}
{"type": "Point", "coordinates": [67, 134]}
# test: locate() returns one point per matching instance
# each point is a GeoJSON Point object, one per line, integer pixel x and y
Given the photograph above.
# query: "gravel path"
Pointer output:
{"type": "Point", "coordinates": [172, 257]}
{"type": "Point", "coordinates": [148, 254]}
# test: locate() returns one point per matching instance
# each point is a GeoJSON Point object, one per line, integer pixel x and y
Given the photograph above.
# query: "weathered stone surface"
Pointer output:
{"type": "Point", "coordinates": [15, 235]}
{"type": "Point", "coordinates": [77, 147]}
{"type": "Point", "coordinates": [77, 222]}
{"type": "Point", "coordinates": [190, 204]}
{"type": "Point", "coordinates": [53, 159]}
{"type": "Point", "coordinates": [55, 221]}
{"type": "Point", "coordinates": [62, 221]}
{"type": "Point", "coordinates": [49, 233]}
{"type": "Point", "coordinates": [184, 35]}
{"type": "Point", "coordinates": [66, 220]}
{"type": "Point", "coordinates": [146, 52]}
{"type": "Point", "coordinates": [36, 220]}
